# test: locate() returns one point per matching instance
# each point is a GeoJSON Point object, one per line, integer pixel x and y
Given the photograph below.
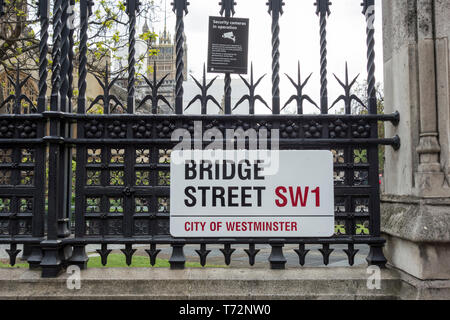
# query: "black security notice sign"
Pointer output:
{"type": "Point", "coordinates": [228, 45]}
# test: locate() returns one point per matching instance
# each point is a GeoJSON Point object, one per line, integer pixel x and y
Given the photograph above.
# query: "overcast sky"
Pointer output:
{"type": "Point", "coordinates": [299, 42]}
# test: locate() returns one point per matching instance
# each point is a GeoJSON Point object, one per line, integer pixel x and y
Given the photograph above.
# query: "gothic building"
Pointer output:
{"type": "Point", "coordinates": [164, 63]}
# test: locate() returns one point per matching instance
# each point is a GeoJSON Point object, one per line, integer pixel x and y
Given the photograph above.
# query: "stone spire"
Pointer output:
{"type": "Point", "coordinates": [165, 36]}
{"type": "Point", "coordinates": [145, 29]}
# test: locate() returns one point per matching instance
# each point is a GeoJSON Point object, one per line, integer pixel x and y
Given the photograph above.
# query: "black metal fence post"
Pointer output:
{"type": "Point", "coordinates": [180, 7]}
{"type": "Point", "coordinates": [65, 62]}
{"type": "Point", "coordinates": [71, 55]}
{"type": "Point", "coordinates": [66, 154]}
{"type": "Point", "coordinates": [65, 167]}
{"type": "Point", "coordinates": [35, 257]}
{"type": "Point", "coordinates": [69, 131]}
{"type": "Point", "coordinates": [276, 9]}
{"type": "Point", "coordinates": [132, 8]}
{"type": "Point", "coordinates": [79, 256]}
{"type": "Point", "coordinates": [128, 191]}
{"type": "Point", "coordinates": [85, 12]}
{"type": "Point", "coordinates": [227, 7]}
{"type": "Point", "coordinates": [323, 10]}
{"type": "Point", "coordinates": [177, 259]}
{"type": "Point", "coordinates": [376, 256]}
{"type": "Point", "coordinates": [44, 12]}
{"type": "Point", "coordinates": [51, 262]}
{"type": "Point", "coordinates": [276, 259]}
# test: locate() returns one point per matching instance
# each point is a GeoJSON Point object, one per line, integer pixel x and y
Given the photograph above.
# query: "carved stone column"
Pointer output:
{"type": "Point", "coordinates": [442, 47]}
{"type": "Point", "coordinates": [415, 208]}
{"type": "Point", "coordinates": [429, 177]}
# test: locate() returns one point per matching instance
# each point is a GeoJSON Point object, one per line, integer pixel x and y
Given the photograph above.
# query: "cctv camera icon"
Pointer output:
{"type": "Point", "coordinates": [229, 36]}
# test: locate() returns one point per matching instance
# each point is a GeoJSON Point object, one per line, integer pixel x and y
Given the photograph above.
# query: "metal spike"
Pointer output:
{"type": "Point", "coordinates": [323, 7]}
{"type": "Point", "coordinates": [106, 97]}
{"type": "Point", "coordinates": [299, 97]}
{"type": "Point", "coordinates": [351, 253]}
{"type": "Point", "coordinates": [251, 97]}
{"type": "Point", "coordinates": [13, 252]}
{"type": "Point", "coordinates": [104, 252]}
{"type": "Point", "coordinates": [227, 252]}
{"type": "Point", "coordinates": [204, 98]}
{"type": "Point", "coordinates": [348, 97]}
{"type": "Point", "coordinates": [301, 252]}
{"type": "Point", "coordinates": [154, 97]}
{"type": "Point", "coordinates": [203, 254]}
{"type": "Point", "coordinates": [251, 252]}
{"type": "Point", "coordinates": [128, 252]}
{"type": "Point", "coordinates": [326, 252]}
{"type": "Point", "coordinates": [227, 7]}
{"type": "Point", "coordinates": [153, 253]}
{"type": "Point", "coordinates": [366, 5]}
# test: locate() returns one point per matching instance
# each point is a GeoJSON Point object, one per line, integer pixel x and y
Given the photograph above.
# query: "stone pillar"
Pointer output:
{"type": "Point", "coordinates": [442, 45]}
{"type": "Point", "coordinates": [416, 201]}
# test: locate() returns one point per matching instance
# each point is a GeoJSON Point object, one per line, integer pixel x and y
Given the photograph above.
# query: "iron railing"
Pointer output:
{"type": "Point", "coordinates": [122, 167]}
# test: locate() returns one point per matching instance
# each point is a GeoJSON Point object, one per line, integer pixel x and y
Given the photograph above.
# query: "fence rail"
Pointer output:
{"type": "Point", "coordinates": [122, 174]}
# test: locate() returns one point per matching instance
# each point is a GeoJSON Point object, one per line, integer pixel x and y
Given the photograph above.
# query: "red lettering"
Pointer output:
{"type": "Point", "coordinates": [303, 197]}
{"type": "Point", "coordinates": [294, 226]}
{"type": "Point", "coordinates": [194, 226]}
{"type": "Point", "coordinates": [283, 201]}
{"type": "Point", "coordinates": [316, 191]}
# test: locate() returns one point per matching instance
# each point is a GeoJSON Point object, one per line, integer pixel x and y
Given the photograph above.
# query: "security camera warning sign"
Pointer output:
{"type": "Point", "coordinates": [228, 45]}
{"type": "Point", "coordinates": [279, 194]}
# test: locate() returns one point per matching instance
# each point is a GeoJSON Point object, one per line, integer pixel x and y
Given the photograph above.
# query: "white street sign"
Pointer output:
{"type": "Point", "coordinates": [256, 194]}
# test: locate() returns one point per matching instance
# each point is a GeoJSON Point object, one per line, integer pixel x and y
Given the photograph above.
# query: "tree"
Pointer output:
{"type": "Point", "coordinates": [17, 38]}
{"type": "Point", "coordinates": [360, 90]}
{"type": "Point", "coordinates": [108, 34]}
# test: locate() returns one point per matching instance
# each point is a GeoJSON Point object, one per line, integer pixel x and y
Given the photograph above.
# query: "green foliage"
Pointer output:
{"type": "Point", "coordinates": [360, 229]}
{"type": "Point", "coordinates": [117, 260]}
{"type": "Point", "coordinates": [361, 91]}
{"type": "Point", "coordinates": [16, 266]}
{"type": "Point", "coordinates": [360, 156]}
{"type": "Point", "coordinates": [108, 33]}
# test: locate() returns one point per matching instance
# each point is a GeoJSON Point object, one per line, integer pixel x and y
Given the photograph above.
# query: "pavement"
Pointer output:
{"type": "Point", "coordinates": [239, 258]}
{"type": "Point", "coordinates": [196, 283]}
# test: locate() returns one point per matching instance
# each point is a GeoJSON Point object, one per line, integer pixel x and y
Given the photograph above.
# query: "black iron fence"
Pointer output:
{"type": "Point", "coordinates": [123, 160]}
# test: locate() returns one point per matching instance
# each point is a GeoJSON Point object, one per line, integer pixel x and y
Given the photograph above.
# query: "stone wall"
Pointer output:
{"type": "Point", "coordinates": [442, 14]}
{"type": "Point", "coordinates": [416, 201]}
